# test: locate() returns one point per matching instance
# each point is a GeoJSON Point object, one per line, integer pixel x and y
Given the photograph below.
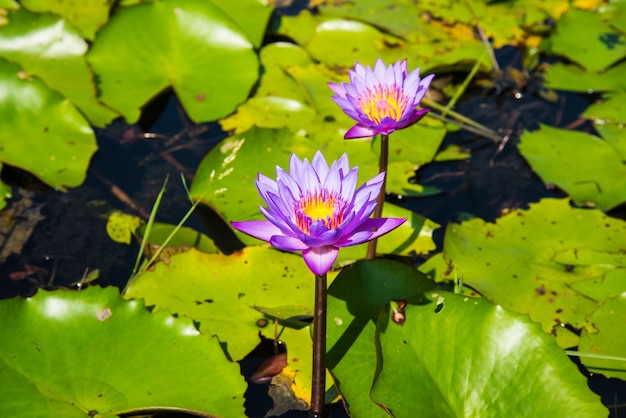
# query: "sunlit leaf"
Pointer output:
{"type": "Point", "coordinates": [250, 15]}
{"type": "Point", "coordinates": [221, 292]}
{"type": "Point", "coordinates": [47, 47]}
{"type": "Point", "coordinates": [597, 48]}
{"type": "Point", "coordinates": [189, 45]}
{"type": "Point", "coordinates": [467, 357]}
{"type": "Point", "coordinates": [606, 339]}
{"type": "Point", "coordinates": [91, 353]}
{"type": "Point", "coordinates": [86, 15]}
{"type": "Point", "coordinates": [121, 226]}
{"type": "Point", "coordinates": [355, 299]}
{"type": "Point", "coordinates": [584, 166]}
{"type": "Point", "coordinates": [573, 78]}
{"type": "Point", "coordinates": [42, 120]}
{"type": "Point", "coordinates": [532, 261]}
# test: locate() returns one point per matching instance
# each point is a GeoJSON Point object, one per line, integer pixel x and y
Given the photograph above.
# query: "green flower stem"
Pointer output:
{"type": "Point", "coordinates": [318, 390]}
{"type": "Point", "coordinates": [383, 161]}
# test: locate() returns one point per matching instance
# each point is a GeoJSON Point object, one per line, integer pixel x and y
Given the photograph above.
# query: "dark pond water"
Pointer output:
{"type": "Point", "coordinates": [133, 161]}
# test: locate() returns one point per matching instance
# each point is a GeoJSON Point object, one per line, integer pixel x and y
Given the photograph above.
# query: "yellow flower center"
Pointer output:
{"type": "Point", "coordinates": [379, 103]}
{"type": "Point", "coordinates": [319, 207]}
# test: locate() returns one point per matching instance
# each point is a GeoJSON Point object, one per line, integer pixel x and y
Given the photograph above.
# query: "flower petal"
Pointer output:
{"type": "Point", "coordinates": [370, 229]}
{"type": "Point", "coordinates": [263, 230]}
{"type": "Point", "coordinates": [360, 131]}
{"type": "Point", "coordinates": [286, 243]}
{"type": "Point", "coordinates": [320, 259]}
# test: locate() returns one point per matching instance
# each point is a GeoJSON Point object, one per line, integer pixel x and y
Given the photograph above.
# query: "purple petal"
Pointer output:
{"type": "Point", "coordinates": [360, 131]}
{"type": "Point", "coordinates": [338, 89]}
{"type": "Point", "coordinates": [370, 229]}
{"type": "Point", "coordinates": [286, 243]}
{"type": "Point", "coordinates": [348, 184]}
{"type": "Point", "coordinates": [320, 165]}
{"type": "Point", "coordinates": [320, 259]}
{"type": "Point", "coordinates": [263, 230]}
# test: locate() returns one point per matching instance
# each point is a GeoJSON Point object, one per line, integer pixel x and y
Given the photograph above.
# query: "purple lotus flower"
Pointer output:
{"type": "Point", "coordinates": [316, 209]}
{"type": "Point", "coordinates": [383, 99]}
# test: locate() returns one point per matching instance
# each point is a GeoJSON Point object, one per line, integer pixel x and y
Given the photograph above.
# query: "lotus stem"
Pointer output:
{"type": "Point", "coordinates": [382, 163]}
{"type": "Point", "coordinates": [318, 390]}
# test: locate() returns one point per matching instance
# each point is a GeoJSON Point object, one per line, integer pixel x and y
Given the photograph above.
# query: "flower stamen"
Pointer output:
{"type": "Point", "coordinates": [379, 103]}
{"type": "Point", "coordinates": [322, 206]}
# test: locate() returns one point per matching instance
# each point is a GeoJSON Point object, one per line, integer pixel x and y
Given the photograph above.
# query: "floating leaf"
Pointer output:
{"type": "Point", "coordinates": [355, 299]}
{"type": "Point", "coordinates": [47, 47]}
{"type": "Point", "coordinates": [42, 120]}
{"type": "Point", "coordinates": [466, 357]}
{"type": "Point", "coordinates": [600, 46]}
{"type": "Point", "coordinates": [606, 339]}
{"type": "Point", "coordinates": [573, 78]}
{"type": "Point", "coordinates": [121, 226]}
{"type": "Point", "coordinates": [90, 353]}
{"type": "Point", "coordinates": [532, 261]}
{"type": "Point", "coordinates": [86, 15]}
{"type": "Point", "coordinates": [583, 165]}
{"type": "Point", "coordinates": [189, 45]}
{"type": "Point", "coordinates": [221, 292]}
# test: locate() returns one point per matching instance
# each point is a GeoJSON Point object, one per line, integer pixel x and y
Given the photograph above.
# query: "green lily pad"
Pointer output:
{"type": "Point", "coordinates": [584, 166]}
{"type": "Point", "coordinates": [615, 135]}
{"type": "Point", "coordinates": [90, 353]}
{"type": "Point", "coordinates": [47, 47]}
{"type": "Point", "coordinates": [86, 15]}
{"type": "Point", "coordinates": [221, 292]}
{"type": "Point", "coordinates": [8, 4]}
{"type": "Point", "coordinates": [42, 120]}
{"type": "Point", "coordinates": [355, 299]}
{"type": "Point", "coordinates": [190, 45]}
{"type": "Point", "coordinates": [610, 110]}
{"type": "Point", "coordinates": [250, 15]}
{"type": "Point", "coordinates": [573, 78]}
{"type": "Point", "coordinates": [467, 357]}
{"type": "Point", "coordinates": [599, 47]}
{"type": "Point", "coordinates": [533, 261]}
{"type": "Point", "coordinates": [606, 339]}
{"type": "Point", "coordinates": [184, 239]}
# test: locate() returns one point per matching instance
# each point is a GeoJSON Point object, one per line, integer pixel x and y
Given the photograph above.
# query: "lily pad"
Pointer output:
{"type": "Point", "coordinates": [45, 121]}
{"type": "Point", "coordinates": [533, 261]}
{"type": "Point", "coordinates": [599, 47]}
{"type": "Point", "coordinates": [584, 166]}
{"type": "Point", "coordinates": [468, 357]}
{"type": "Point", "coordinates": [190, 45]}
{"type": "Point", "coordinates": [221, 293]}
{"type": "Point", "coordinates": [355, 299]}
{"type": "Point", "coordinates": [90, 353]}
{"type": "Point", "coordinates": [573, 78]}
{"type": "Point", "coordinates": [86, 15]}
{"type": "Point", "coordinates": [606, 338]}
{"type": "Point", "coordinates": [48, 47]}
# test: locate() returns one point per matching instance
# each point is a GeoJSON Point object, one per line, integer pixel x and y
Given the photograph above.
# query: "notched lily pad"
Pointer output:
{"type": "Point", "coordinates": [583, 165]}
{"type": "Point", "coordinates": [91, 353]}
{"type": "Point", "coordinates": [173, 43]}
{"type": "Point", "coordinates": [540, 261]}
{"type": "Point", "coordinates": [496, 353]}
{"type": "Point", "coordinates": [45, 121]}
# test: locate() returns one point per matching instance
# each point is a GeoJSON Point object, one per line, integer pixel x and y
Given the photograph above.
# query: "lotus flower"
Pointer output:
{"type": "Point", "coordinates": [317, 209]}
{"type": "Point", "coordinates": [383, 99]}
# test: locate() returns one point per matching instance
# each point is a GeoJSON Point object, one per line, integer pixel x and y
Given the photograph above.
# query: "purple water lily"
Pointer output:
{"type": "Point", "coordinates": [317, 209]}
{"type": "Point", "coordinates": [382, 99]}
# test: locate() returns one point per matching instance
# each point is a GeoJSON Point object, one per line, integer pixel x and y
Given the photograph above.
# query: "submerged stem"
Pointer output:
{"type": "Point", "coordinates": [318, 390]}
{"type": "Point", "coordinates": [382, 163]}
